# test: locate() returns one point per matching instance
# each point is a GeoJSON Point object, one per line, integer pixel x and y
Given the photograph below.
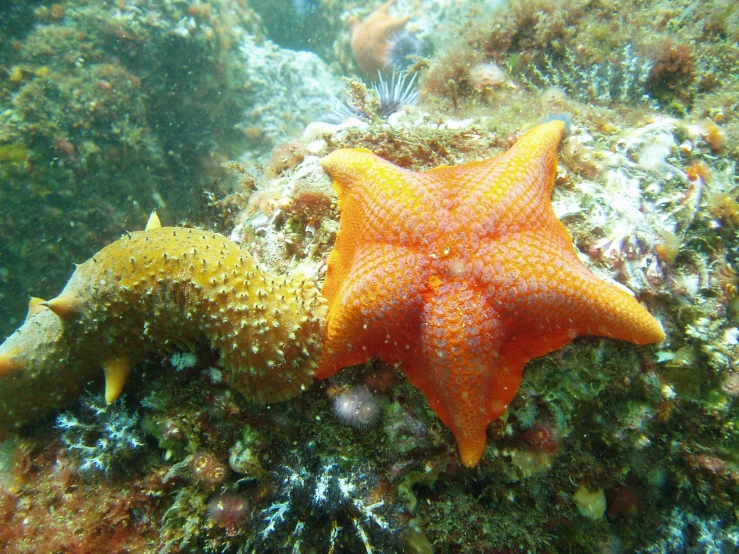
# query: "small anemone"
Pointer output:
{"type": "Point", "coordinates": [358, 407]}
{"type": "Point", "coordinates": [229, 511]}
{"type": "Point", "coordinates": [392, 96]}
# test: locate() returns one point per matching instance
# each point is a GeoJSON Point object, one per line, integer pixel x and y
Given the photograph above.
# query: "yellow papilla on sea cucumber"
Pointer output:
{"type": "Point", "coordinates": [154, 288]}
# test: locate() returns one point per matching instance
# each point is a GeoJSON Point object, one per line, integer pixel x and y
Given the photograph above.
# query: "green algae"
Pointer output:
{"type": "Point", "coordinates": [15, 153]}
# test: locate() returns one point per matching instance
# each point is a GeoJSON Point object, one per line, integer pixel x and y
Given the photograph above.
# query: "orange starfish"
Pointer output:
{"type": "Point", "coordinates": [462, 275]}
{"type": "Point", "coordinates": [371, 38]}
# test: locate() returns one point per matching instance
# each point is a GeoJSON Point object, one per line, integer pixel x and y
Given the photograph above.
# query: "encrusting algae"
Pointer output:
{"type": "Point", "coordinates": [165, 285]}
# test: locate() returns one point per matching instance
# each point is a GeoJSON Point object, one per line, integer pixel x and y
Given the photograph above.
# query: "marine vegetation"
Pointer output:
{"type": "Point", "coordinates": [109, 110]}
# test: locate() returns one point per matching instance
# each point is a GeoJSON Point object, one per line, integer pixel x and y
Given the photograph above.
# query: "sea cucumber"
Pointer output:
{"type": "Point", "coordinates": [154, 288]}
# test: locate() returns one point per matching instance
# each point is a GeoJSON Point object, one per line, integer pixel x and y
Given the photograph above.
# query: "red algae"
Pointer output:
{"type": "Point", "coordinates": [59, 512]}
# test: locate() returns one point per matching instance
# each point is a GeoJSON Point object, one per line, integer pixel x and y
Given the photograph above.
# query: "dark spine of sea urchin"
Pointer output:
{"type": "Point", "coordinates": [392, 96]}
{"type": "Point", "coordinates": [396, 93]}
{"type": "Point", "coordinates": [403, 49]}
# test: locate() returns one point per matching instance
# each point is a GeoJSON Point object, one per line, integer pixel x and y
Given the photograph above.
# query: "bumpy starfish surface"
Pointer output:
{"type": "Point", "coordinates": [371, 38]}
{"type": "Point", "coordinates": [162, 288]}
{"type": "Point", "coordinates": [462, 275]}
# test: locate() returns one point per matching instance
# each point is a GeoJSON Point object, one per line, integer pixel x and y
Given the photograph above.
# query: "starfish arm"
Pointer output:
{"type": "Point", "coordinates": [547, 304]}
{"type": "Point", "coordinates": [395, 200]}
{"type": "Point", "coordinates": [510, 192]}
{"type": "Point", "coordinates": [374, 302]}
{"type": "Point", "coordinates": [387, 28]}
{"type": "Point", "coordinates": [383, 10]}
{"type": "Point", "coordinates": [458, 366]}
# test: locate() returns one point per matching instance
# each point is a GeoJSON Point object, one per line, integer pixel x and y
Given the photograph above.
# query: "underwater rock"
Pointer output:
{"type": "Point", "coordinates": [287, 90]}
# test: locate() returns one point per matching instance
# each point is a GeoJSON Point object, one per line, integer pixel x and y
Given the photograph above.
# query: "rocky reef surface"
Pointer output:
{"type": "Point", "coordinates": [111, 110]}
